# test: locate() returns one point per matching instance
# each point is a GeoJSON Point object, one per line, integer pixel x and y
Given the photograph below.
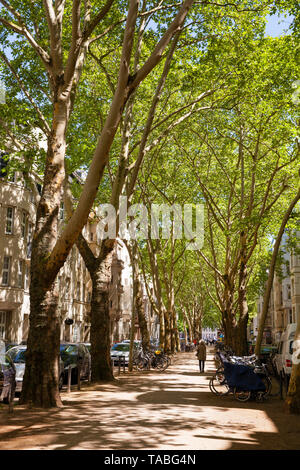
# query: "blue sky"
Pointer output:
{"type": "Point", "coordinates": [277, 25]}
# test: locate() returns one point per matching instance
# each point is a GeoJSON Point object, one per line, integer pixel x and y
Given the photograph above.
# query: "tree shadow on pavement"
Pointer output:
{"type": "Point", "coordinates": [170, 410]}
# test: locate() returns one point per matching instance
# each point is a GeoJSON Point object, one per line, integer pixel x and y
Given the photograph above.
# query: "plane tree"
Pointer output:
{"type": "Point", "coordinates": [52, 40]}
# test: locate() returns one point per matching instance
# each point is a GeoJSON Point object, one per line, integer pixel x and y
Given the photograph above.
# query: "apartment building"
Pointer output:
{"type": "Point", "coordinates": [17, 218]}
{"type": "Point", "coordinates": [18, 205]}
{"type": "Point", "coordinates": [284, 305]}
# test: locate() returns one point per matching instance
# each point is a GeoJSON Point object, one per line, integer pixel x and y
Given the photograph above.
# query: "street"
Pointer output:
{"type": "Point", "coordinates": [170, 410]}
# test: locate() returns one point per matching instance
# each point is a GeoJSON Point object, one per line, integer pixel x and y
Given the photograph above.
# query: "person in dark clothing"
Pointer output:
{"type": "Point", "coordinates": [201, 354]}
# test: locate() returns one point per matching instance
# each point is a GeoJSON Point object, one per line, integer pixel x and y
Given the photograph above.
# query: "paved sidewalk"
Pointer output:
{"type": "Point", "coordinates": [171, 410]}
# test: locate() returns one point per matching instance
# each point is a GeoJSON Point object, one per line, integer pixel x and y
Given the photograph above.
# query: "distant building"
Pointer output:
{"type": "Point", "coordinates": [209, 334]}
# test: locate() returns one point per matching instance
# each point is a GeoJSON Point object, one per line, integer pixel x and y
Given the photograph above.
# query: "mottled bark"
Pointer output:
{"type": "Point", "coordinates": [40, 383]}
{"type": "Point", "coordinates": [241, 346]}
{"type": "Point", "coordinates": [100, 271]}
{"type": "Point", "coordinates": [228, 317]}
{"type": "Point", "coordinates": [100, 327]}
{"type": "Point", "coordinates": [141, 317]}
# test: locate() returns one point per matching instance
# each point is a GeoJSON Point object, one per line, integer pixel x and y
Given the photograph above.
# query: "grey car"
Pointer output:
{"type": "Point", "coordinates": [18, 356]}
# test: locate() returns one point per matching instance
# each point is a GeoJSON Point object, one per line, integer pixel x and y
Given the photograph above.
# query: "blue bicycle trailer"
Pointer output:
{"type": "Point", "coordinates": [242, 377]}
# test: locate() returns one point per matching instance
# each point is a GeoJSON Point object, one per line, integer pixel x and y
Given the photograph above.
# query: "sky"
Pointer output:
{"type": "Point", "coordinates": [277, 25]}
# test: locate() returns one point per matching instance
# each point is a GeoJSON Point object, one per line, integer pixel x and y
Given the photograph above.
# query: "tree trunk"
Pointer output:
{"type": "Point", "coordinates": [100, 319]}
{"type": "Point", "coordinates": [176, 332]}
{"type": "Point", "coordinates": [141, 317]}
{"type": "Point", "coordinates": [228, 318]}
{"type": "Point", "coordinates": [167, 321]}
{"type": "Point", "coordinates": [40, 385]}
{"type": "Point", "coordinates": [161, 330]}
{"type": "Point", "coordinates": [241, 330]}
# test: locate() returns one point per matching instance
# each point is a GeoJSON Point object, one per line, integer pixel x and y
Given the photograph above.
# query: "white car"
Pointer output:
{"type": "Point", "coordinates": [283, 357]}
{"type": "Point", "coordinates": [120, 351]}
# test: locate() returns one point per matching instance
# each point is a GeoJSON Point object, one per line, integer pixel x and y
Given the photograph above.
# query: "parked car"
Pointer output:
{"type": "Point", "coordinates": [136, 342]}
{"type": "Point", "coordinates": [7, 376]}
{"type": "Point", "coordinates": [283, 357]}
{"type": "Point", "coordinates": [120, 351]}
{"type": "Point", "coordinates": [72, 354]}
{"type": "Point", "coordinates": [9, 345]}
{"type": "Point", "coordinates": [18, 356]}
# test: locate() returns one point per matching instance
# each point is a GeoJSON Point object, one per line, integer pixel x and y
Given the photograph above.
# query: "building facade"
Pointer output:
{"type": "Point", "coordinates": [284, 305]}
{"type": "Point", "coordinates": [18, 205]}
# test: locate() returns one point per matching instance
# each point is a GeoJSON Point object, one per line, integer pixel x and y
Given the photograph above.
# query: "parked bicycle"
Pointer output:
{"type": "Point", "coordinates": [244, 376]}
{"type": "Point", "coordinates": [145, 360]}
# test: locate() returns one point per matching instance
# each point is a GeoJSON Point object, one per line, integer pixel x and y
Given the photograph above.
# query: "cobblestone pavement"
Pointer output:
{"type": "Point", "coordinates": [170, 410]}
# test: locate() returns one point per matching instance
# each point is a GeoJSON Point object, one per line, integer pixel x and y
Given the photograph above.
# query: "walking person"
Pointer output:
{"type": "Point", "coordinates": [201, 355]}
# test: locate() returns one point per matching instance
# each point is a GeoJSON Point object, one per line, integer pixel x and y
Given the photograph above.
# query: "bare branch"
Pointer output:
{"type": "Point", "coordinates": [45, 125]}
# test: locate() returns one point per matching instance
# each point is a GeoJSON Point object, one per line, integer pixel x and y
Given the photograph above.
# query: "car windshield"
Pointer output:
{"type": "Point", "coordinates": [121, 347]}
{"type": "Point", "coordinates": [67, 350]}
{"type": "Point", "coordinates": [18, 356]}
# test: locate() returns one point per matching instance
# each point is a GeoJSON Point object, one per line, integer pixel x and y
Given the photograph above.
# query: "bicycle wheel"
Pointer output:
{"type": "Point", "coordinates": [218, 387]}
{"type": "Point", "coordinates": [162, 363]}
{"type": "Point", "coordinates": [268, 385]}
{"type": "Point", "coordinates": [142, 364]}
{"type": "Point", "coordinates": [220, 375]}
{"type": "Point", "coordinates": [242, 395]}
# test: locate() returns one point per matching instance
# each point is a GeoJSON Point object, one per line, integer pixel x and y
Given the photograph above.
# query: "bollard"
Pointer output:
{"type": "Point", "coordinates": [11, 397]}
{"type": "Point", "coordinates": [69, 378]}
{"type": "Point", "coordinates": [121, 362]}
{"type": "Point", "coordinates": [78, 375]}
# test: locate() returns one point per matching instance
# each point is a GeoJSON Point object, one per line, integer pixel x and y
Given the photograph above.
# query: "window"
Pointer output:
{"type": "Point", "coordinates": [2, 323]}
{"type": "Point", "coordinates": [21, 274]}
{"type": "Point", "coordinates": [61, 211]}
{"type": "Point", "coordinates": [27, 278]}
{"type": "Point", "coordinates": [294, 315]}
{"type": "Point", "coordinates": [23, 224]}
{"type": "Point", "coordinates": [83, 293]}
{"type": "Point", "coordinates": [29, 239]}
{"type": "Point", "coordinates": [6, 270]}
{"type": "Point", "coordinates": [9, 221]}
{"type": "Point", "coordinates": [289, 292]}
{"type": "Point", "coordinates": [78, 291]}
